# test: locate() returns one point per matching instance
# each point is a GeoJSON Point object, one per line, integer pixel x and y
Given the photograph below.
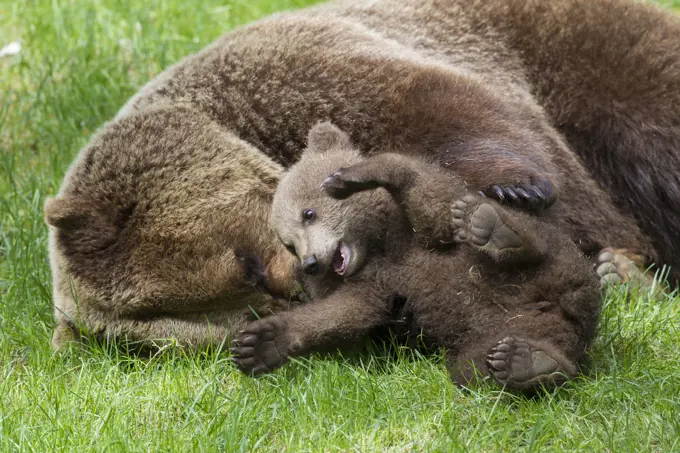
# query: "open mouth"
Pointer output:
{"type": "Point", "coordinates": [341, 258]}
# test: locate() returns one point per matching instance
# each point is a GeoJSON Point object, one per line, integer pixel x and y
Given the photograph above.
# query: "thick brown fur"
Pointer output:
{"type": "Point", "coordinates": [500, 289]}
{"type": "Point", "coordinates": [155, 239]}
{"type": "Point", "coordinates": [578, 99]}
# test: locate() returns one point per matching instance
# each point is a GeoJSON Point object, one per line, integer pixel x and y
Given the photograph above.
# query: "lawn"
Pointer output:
{"type": "Point", "coordinates": [80, 61]}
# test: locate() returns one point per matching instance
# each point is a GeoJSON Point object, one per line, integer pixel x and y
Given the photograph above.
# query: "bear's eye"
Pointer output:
{"type": "Point", "coordinates": [291, 248]}
{"type": "Point", "coordinates": [308, 214]}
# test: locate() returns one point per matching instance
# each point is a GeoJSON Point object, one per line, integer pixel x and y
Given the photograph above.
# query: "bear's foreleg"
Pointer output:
{"type": "Point", "coordinates": [342, 318]}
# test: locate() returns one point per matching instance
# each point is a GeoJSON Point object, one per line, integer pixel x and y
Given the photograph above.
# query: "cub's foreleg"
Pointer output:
{"type": "Point", "coordinates": [342, 318]}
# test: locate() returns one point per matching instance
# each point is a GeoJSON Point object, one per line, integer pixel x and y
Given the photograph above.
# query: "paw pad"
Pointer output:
{"type": "Point", "coordinates": [258, 348]}
{"type": "Point", "coordinates": [520, 364]}
{"type": "Point", "coordinates": [480, 224]}
{"type": "Point", "coordinates": [614, 268]}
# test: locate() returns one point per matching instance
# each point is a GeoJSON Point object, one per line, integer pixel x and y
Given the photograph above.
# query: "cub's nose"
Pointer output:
{"type": "Point", "coordinates": [310, 265]}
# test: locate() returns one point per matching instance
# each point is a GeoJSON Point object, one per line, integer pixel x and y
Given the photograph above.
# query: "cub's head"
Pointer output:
{"type": "Point", "coordinates": [329, 236]}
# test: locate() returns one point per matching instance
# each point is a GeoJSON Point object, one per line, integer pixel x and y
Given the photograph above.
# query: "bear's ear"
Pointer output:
{"type": "Point", "coordinates": [85, 225]}
{"type": "Point", "coordinates": [326, 136]}
{"type": "Point", "coordinates": [69, 213]}
{"type": "Point", "coordinates": [61, 213]}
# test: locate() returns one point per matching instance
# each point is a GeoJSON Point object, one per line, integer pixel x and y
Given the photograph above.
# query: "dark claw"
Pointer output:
{"type": "Point", "coordinates": [538, 200]}
{"type": "Point", "coordinates": [546, 191]}
{"type": "Point", "coordinates": [537, 193]}
{"type": "Point", "coordinates": [523, 193]}
{"type": "Point", "coordinates": [511, 193]}
{"type": "Point", "coordinates": [532, 197]}
{"type": "Point", "coordinates": [329, 182]}
{"type": "Point", "coordinates": [241, 352]}
{"type": "Point", "coordinates": [496, 364]}
{"type": "Point", "coordinates": [498, 355]}
{"type": "Point", "coordinates": [335, 186]}
{"type": "Point", "coordinates": [249, 340]}
{"type": "Point", "coordinates": [501, 347]}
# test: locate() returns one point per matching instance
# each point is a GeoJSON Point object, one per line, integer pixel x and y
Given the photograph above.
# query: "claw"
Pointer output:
{"type": "Point", "coordinates": [523, 193]}
{"type": "Point", "coordinates": [248, 340]}
{"type": "Point", "coordinates": [496, 364]}
{"type": "Point", "coordinates": [243, 352]}
{"type": "Point", "coordinates": [511, 193]}
{"type": "Point", "coordinates": [538, 199]}
{"type": "Point", "coordinates": [497, 356]}
{"type": "Point", "coordinates": [502, 347]}
{"type": "Point", "coordinates": [534, 197]}
{"type": "Point", "coordinates": [537, 192]}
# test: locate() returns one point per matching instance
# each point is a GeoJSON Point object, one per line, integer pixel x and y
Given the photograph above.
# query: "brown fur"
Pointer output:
{"type": "Point", "coordinates": [526, 281]}
{"type": "Point", "coordinates": [507, 93]}
{"type": "Point", "coordinates": [149, 233]}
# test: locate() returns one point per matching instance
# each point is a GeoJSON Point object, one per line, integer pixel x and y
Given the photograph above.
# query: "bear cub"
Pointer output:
{"type": "Point", "coordinates": [509, 296]}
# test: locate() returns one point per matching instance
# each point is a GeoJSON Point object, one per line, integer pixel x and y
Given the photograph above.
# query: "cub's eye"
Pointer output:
{"type": "Point", "coordinates": [308, 214]}
{"type": "Point", "coordinates": [291, 249]}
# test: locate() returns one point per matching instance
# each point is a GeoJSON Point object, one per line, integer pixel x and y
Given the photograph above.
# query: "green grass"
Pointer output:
{"type": "Point", "coordinates": [81, 61]}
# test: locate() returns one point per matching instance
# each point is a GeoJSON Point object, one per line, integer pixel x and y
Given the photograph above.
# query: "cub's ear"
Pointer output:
{"type": "Point", "coordinates": [326, 136]}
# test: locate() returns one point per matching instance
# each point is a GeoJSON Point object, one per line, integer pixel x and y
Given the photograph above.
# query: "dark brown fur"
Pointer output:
{"type": "Point", "coordinates": [524, 283]}
{"type": "Point", "coordinates": [511, 93]}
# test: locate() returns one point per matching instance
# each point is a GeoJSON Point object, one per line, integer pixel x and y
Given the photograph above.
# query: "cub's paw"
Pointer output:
{"type": "Point", "coordinates": [480, 224]}
{"type": "Point", "coordinates": [346, 181]}
{"type": "Point", "coordinates": [524, 364]}
{"type": "Point", "coordinates": [619, 266]}
{"type": "Point", "coordinates": [262, 346]}
{"type": "Point", "coordinates": [533, 197]}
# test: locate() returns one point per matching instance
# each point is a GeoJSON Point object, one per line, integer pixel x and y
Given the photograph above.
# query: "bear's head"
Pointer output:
{"type": "Point", "coordinates": [329, 236]}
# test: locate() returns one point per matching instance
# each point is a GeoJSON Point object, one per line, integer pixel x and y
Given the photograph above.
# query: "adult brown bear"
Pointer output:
{"type": "Point", "coordinates": [571, 102]}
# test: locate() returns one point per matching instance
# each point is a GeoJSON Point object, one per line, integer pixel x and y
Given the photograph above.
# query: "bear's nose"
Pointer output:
{"type": "Point", "coordinates": [310, 265]}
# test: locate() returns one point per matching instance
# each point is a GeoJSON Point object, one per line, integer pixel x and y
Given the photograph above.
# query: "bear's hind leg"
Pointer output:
{"type": "Point", "coordinates": [525, 364]}
{"type": "Point", "coordinates": [523, 351]}
{"type": "Point", "coordinates": [513, 362]}
{"type": "Point", "coordinates": [490, 229]}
